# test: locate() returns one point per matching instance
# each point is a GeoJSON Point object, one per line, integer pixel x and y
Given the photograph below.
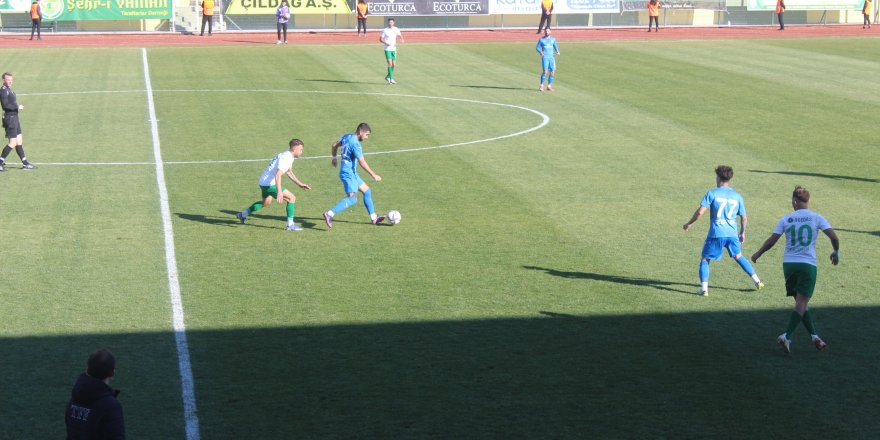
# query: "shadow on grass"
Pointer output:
{"type": "Point", "coordinates": [557, 375]}
{"type": "Point", "coordinates": [634, 281]}
{"type": "Point", "coordinates": [874, 233]}
{"type": "Point", "coordinates": [488, 87]}
{"type": "Point", "coordinates": [338, 81]}
{"type": "Point", "coordinates": [825, 176]}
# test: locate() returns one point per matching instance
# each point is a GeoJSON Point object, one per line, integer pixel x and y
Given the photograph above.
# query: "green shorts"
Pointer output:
{"type": "Point", "coordinates": [391, 55]}
{"type": "Point", "coordinates": [800, 279]}
{"type": "Point", "coordinates": [270, 191]}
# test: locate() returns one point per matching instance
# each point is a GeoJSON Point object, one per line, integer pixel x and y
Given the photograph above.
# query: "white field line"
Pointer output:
{"type": "Point", "coordinates": [544, 121]}
{"type": "Point", "coordinates": [186, 377]}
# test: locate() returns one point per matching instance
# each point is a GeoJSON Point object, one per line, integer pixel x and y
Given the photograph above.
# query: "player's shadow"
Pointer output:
{"type": "Point", "coordinates": [487, 87]}
{"type": "Point", "coordinates": [337, 81]}
{"type": "Point", "coordinates": [874, 233]}
{"type": "Point", "coordinates": [211, 220]}
{"type": "Point", "coordinates": [633, 281]}
{"type": "Point", "coordinates": [824, 176]}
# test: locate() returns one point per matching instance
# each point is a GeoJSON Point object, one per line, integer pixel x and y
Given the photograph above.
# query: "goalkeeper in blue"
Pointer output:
{"type": "Point", "coordinates": [351, 155]}
{"type": "Point", "coordinates": [724, 205]}
{"type": "Point", "coordinates": [548, 49]}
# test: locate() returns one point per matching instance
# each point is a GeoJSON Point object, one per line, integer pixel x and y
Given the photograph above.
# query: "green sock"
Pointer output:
{"type": "Point", "coordinates": [254, 208]}
{"type": "Point", "coordinates": [808, 322]}
{"type": "Point", "coordinates": [290, 212]}
{"type": "Point", "coordinates": [390, 71]}
{"type": "Point", "coordinates": [793, 322]}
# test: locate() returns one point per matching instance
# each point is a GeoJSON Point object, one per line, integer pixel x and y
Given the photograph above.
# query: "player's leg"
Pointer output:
{"type": "Point", "coordinates": [290, 198]}
{"type": "Point", "coordinates": [202, 34]}
{"type": "Point", "coordinates": [389, 64]}
{"type": "Point", "coordinates": [712, 250]}
{"type": "Point", "coordinates": [735, 252]}
{"type": "Point", "coordinates": [392, 63]}
{"type": "Point", "coordinates": [278, 33]}
{"type": "Point", "coordinates": [284, 28]}
{"type": "Point", "coordinates": [10, 144]}
{"type": "Point", "coordinates": [552, 74]}
{"type": "Point", "coordinates": [368, 203]}
{"type": "Point", "coordinates": [19, 149]}
{"type": "Point", "coordinates": [267, 194]}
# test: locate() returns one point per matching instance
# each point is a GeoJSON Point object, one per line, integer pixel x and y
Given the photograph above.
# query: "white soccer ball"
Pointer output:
{"type": "Point", "coordinates": [394, 217]}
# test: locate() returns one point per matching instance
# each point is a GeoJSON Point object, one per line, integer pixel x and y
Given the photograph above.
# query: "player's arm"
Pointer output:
{"type": "Point", "coordinates": [697, 214]}
{"type": "Point", "coordinates": [333, 149]}
{"type": "Point", "coordinates": [538, 48]}
{"type": "Point", "coordinates": [382, 38]}
{"type": "Point", "coordinates": [743, 222]}
{"type": "Point", "coordinates": [835, 244]}
{"type": "Point", "coordinates": [556, 47]}
{"type": "Point", "coordinates": [765, 247]}
{"type": "Point", "coordinates": [363, 163]}
{"type": "Point", "coordinates": [400, 35]}
{"type": "Point", "coordinates": [8, 101]}
{"type": "Point", "coordinates": [278, 175]}
{"type": "Point", "coordinates": [297, 181]}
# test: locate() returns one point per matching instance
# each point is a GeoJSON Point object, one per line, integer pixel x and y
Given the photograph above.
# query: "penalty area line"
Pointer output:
{"type": "Point", "coordinates": [191, 420]}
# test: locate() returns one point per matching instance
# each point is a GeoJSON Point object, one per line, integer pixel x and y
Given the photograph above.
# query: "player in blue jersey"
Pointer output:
{"type": "Point", "coordinates": [352, 155]}
{"type": "Point", "coordinates": [724, 205]}
{"type": "Point", "coordinates": [548, 49]}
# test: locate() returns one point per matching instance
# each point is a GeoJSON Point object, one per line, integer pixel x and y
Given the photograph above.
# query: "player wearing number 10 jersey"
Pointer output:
{"type": "Point", "coordinates": [724, 205]}
{"type": "Point", "coordinates": [801, 229]}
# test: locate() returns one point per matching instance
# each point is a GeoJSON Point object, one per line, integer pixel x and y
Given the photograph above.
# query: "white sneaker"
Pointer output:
{"type": "Point", "coordinates": [541, 88]}
{"type": "Point", "coordinates": [549, 88]}
{"type": "Point", "coordinates": [784, 342]}
{"type": "Point", "coordinates": [704, 292]}
{"type": "Point", "coordinates": [759, 285]}
{"type": "Point", "coordinates": [819, 343]}
{"type": "Point", "coordinates": [388, 80]}
{"type": "Point", "coordinates": [278, 42]}
{"type": "Point", "coordinates": [391, 81]}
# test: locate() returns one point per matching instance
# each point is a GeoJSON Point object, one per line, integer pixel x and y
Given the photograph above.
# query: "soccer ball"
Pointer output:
{"type": "Point", "coordinates": [394, 217]}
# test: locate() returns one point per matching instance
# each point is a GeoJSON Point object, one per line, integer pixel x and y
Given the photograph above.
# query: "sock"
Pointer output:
{"type": "Point", "coordinates": [793, 320]}
{"type": "Point", "coordinates": [368, 203]}
{"type": "Point", "coordinates": [744, 263]}
{"type": "Point", "coordinates": [290, 209]}
{"type": "Point", "coordinates": [543, 77]}
{"type": "Point", "coordinates": [390, 71]}
{"type": "Point", "coordinates": [808, 322]}
{"type": "Point", "coordinates": [343, 205]}
{"type": "Point", "coordinates": [391, 75]}
{"type": "Point", "coordinates": [6, 152]}
{"type": "Point", "coordinates": [550, 80]}
{"type": "Point", "coordinates": [254, 208]}
{"type": "Point", "coordinates": [20, 150]}
{"type": "Point", "coordinates": [704, 271]}
{"type": "Point", "coordinates": [755, 278]}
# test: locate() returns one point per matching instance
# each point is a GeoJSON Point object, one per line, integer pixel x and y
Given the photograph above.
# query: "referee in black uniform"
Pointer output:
{"type": "Point", "coordinates": [10, 123]}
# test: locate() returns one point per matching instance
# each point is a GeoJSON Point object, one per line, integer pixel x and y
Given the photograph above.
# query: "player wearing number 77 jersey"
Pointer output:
{"type": "Point", "coordinates": [801, 229]}
{"type": "Point", "coordinates": [724, 205]}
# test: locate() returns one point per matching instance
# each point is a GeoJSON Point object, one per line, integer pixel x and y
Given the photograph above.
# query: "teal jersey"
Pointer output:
{"type": "Point", "coordinates": [724, 205]}
{"type": "Point", "coordinates": [548, 46]}
{"type": "Point", "coordinates": [350, 151]}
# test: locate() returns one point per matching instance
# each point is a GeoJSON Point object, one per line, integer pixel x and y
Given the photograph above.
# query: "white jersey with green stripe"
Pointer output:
{"type": "Point", "coordinates": [801, 229]}
{"type": "Point", "coordinates": [282, 162]}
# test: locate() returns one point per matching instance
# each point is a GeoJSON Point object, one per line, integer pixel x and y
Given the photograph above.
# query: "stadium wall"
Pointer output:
{"type": "Point", "coordinates": [186, 17]}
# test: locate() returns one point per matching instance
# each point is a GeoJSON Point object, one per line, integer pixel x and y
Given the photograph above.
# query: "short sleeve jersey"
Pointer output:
{"type": "Point", "coordinates": [282, 162]}
{"type": "Point", "coordinates": [724, 205]}
{"type": "Point", "coordinates": [350, 151]}
{"type": "Point", "coordinates": [390, 35]}
{"type": "Point", "coordinates": [801, 229]}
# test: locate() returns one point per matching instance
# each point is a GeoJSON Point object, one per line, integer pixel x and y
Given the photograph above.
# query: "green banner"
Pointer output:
{"type": "Point", "coordinates": [264, 7]}
{"type": "Point", "coordinates": [807, 5]}
{"type": "Point", "coordinates": [70, 10]}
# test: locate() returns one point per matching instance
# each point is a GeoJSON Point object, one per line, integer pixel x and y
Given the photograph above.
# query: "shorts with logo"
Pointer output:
{"type": "Point", "coordinates": [548, 63]}
{"type": "Point", "coordinates": [391, 55]}
{"type": "Point", "coordinates": [351, 183]}
{"type": "Point", "coordinates": [713, 248]}
{"type": "Point", "coordinates": [800, 279]}
{"type": "Point", "coordinates": [11, 124]}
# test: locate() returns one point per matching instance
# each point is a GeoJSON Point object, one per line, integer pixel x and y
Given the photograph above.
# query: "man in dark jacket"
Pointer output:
{"type": "Point", "coordinates": [93, 411]}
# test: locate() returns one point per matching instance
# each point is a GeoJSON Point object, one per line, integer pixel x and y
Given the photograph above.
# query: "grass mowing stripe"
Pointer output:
{"type": "Point", "coordinates": [186, 377]}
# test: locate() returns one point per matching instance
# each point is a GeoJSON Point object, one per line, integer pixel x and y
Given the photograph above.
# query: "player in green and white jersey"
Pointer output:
{"type": "Point", "coordinates": [801, 229]}
{"type": "Point", "coordinates": [270, 182]}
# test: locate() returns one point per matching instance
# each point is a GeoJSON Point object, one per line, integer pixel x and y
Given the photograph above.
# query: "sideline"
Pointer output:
{"type": "Point", "coordinates": [186, 377]}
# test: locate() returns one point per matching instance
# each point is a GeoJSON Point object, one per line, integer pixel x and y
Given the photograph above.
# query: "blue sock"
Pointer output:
{"type": "Point", "coordinates": [368, 202]}
{"type": "Point", "coordinates": [344, 204]}
{"type": "Point", "coordinates": [543, 77]}
{"type": "Point", "coordinates": [744, 263]}
{"type": "Point", "coordinates": [704, 271]}
{"type": "Point", "coordinates": [550, 80]}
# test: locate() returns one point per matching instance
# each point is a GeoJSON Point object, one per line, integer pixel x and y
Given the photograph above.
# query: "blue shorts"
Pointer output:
{"type": "Point", "coordinates": [351, 183]}
{"type": "Point", "coordinates": [713, 248]}
{"type": "Point", "coordinates": [548, 63]}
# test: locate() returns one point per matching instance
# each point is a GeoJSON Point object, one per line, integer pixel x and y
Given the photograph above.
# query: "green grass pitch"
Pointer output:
{"type": "Point", "coordinates": [539, 286]}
